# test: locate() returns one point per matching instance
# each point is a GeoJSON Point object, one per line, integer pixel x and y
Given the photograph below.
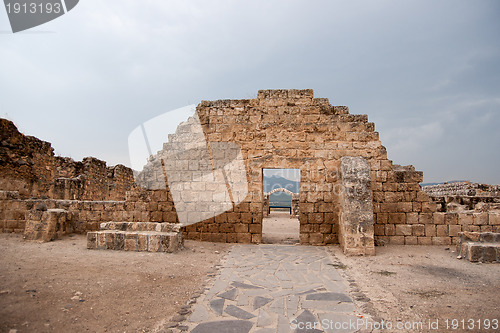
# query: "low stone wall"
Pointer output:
{"type": "Point", "coordinates": [136, 236]}
{"type": "Point", "coordinates": [86, 216]}
{"type": "Point", "coordinates": [436, 228]}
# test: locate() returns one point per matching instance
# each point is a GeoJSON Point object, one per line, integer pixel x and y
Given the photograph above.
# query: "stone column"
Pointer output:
{"type": "Point", "coordinates": [265, 209]}
{"type": "Point", "coordinates": [356, 233]}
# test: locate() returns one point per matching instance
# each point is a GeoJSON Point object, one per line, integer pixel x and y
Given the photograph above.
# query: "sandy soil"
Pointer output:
{"type": "Point", "coordinates": [414, 284]}
{"type": "Point", "coordinates": [63, 287]}
{"type": "Point", "coordinates": [280, 228]}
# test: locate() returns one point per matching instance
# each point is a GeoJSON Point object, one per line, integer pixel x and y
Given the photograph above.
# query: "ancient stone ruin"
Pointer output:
{"type": "Point", "coordinates": [350, 193]}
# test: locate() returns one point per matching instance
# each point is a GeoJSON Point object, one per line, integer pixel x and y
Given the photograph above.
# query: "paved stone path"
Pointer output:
{"type": "Point", "coordinates": [275, 288]}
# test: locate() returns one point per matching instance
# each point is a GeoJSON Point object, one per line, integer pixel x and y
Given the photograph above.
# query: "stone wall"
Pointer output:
{"type": "Point", "coordinates": [87, 215]}
{"type": "Point", "coordinates": [28, 166]}
{"type": "Point", "coordinates": [292, 129]}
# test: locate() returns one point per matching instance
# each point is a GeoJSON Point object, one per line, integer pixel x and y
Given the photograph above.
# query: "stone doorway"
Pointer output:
{"type": "Point", "coordinates": [280, 222]}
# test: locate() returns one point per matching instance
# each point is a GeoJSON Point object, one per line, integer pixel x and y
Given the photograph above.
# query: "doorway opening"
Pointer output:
{"type": "Point", "coordinates": [280, 223]}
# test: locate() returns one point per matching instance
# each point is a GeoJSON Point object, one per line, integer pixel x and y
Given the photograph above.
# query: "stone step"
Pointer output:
{"type": "Point", "coordinates": [150, 241]}
{"type": "Point", "coordinates": [483, 252]}
{"type": "Point", "coordinates": [141, 226]}
{"type": "Point", "coordinates": [479, 246]}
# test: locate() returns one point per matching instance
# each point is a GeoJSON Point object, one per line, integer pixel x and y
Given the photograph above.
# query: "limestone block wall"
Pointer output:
{"type": "Point", "coordinates": [87, 215]}
{"type": "Point", "coordinates": [292, 129]}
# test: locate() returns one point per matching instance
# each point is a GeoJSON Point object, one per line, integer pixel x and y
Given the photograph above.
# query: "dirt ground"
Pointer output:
{"type": "Point", "coordinates": [422, 284]}
{"type": "Point", "coordinates": [280, 228]}
{"type": "Point", "coordinates": [63, 287]}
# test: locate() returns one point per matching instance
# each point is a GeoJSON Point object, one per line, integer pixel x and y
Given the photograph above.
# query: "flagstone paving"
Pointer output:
{"type": "Point", "coordinates": [275, 288]}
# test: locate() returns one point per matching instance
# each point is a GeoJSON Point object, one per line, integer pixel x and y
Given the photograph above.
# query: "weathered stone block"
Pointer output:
{"type": "Point", "coordinates": [454, 230]}
{"type": "Point", "coordinates": [442, 231]}
{"type": "Point", "coordinates": [241, 228]}
{"type": "Point", "coordinates": [390, 230]}
{"type": "Point", "coordinates": [489, 253]}
{"type": "Point", "coordinates": [424, 240]}
{"type": "Point", "coordinates": [403, 230]}
{"type": "Point", "coordinates": [397, 240]}
{"type": "Point", "coordinates": [418, 230]}
{"type": "Point", "coordinates": [429, 207]}
{"type": "Point", "coordinates": [142, 242]}
{"type": "Point", "coordinates": [494, 218]}
{"type": "Point", "coordinates": [438, 218]}
{"type": "Point", "coordinates": [379, 230]}
{"type": "Point", "coordinates": [441, 240]}
{"type": "Point", "coordinates": [411, 240]}
{"type": "Point", "coordinates": [244, 237]}
{"type": "Point", "coordinates": [397, 218]}
{"type": "Point", "coordinates": [130, 244]}
{"type": "Point", "coordinates": [255, 228]}
{"type": "Point", "coordinates": [92, 240]}
{"type": "Point", "coordinates": [480, 218]}
{"type": "Point", "coordinates": [451, 218]}
{"type": "Point", "coordinates": [119, 241]}
{"type": "Point", "coordinates": [256, 238]}
{"type": "Point", "coordinates": [412, 218]}
{"type": "Point", "coordinates": [101, 241]}
{"type": "Point", "coordinates": [465, 218]}
{"type": "Point", "coordinates": [153, 243]}
{"type": "Point", "coordinates": [475, 252]}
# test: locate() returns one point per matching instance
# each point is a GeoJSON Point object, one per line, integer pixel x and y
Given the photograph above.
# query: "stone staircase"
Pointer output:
{"type": "Point", "coordinates": [479, 246]}
{"type": "Point", "coordinates": [136, 236]}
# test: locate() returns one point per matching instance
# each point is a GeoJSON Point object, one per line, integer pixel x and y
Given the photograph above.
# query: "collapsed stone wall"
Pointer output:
{"type": "Point", "coordinates": [462, 189]}
{"type": "Point", "coordinates": [28, 165]}
{"type": "Point", "coordinates": [464, 196]}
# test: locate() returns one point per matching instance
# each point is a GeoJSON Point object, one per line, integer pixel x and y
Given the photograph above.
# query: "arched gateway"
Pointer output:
{"type": "Point", "coordinates": [294, 209]}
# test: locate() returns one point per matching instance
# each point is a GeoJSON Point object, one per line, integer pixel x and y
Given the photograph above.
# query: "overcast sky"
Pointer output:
{"type": "Point", "coordinates": [426, 72]}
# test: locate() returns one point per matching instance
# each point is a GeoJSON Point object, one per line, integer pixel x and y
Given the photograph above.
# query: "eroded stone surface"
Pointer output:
{"type": "Point", "coordinates": [226, 326]}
